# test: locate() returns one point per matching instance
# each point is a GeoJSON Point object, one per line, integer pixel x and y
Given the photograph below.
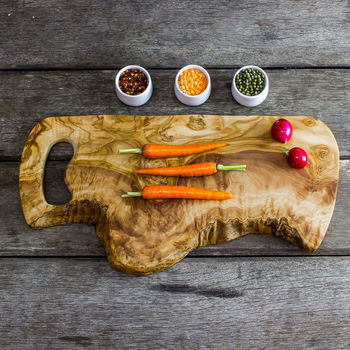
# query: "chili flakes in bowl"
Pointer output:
{"type": "Point", "coordinates": [133, 82]}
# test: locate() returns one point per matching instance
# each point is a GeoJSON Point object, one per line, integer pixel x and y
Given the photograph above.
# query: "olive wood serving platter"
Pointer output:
{"type": "Point", "coordinates": [145, 236]}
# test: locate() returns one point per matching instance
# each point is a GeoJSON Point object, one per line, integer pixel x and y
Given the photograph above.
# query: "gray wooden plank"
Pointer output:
{"type": "Point", "coordinates": [74, 34]}
{"type": "Point", "coordinates": [26, 98]}
{"type": "Point", "coordinates": [17, 239]}
{"type": "Point", "coordinates": [230, 303]}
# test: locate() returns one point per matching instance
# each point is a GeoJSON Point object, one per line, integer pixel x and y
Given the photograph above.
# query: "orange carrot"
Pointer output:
{"type": "Point", "coordinates": [164, 151]}
{"type": "Point", "coordinates": [198, 169]}
{"type": "Point", "coordinates": [165, 192]}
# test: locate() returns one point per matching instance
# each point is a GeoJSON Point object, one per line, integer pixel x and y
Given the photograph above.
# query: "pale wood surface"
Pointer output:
{"type": "Point", "coordinates": [143, 236]}
{"type": "Point", "coordinates": [216, 303]}
{"type": "Point", "coordinates": [67, 302]}
{"type": "Point", "coordinates": [75, 34]}
{"type": "Point", "coordinates": [17, 238]}
{"type": "Point", "coordinates": [28, 97]}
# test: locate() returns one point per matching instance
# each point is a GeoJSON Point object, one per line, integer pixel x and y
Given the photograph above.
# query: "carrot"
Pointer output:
{"type": "Point", "coordinates": [164, 151]}
{"type": "Point", "coordinates": [165, 192]}
{"type": "Point", "coordinates": [198, 169]}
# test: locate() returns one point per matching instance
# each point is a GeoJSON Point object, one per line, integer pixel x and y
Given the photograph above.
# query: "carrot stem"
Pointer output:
{"type": "Point", "coordinates": [130, 150]}
{"type": "Point", "coordinates": [132, 194]}
{"type": "Point", "coordinates": [242, 167]}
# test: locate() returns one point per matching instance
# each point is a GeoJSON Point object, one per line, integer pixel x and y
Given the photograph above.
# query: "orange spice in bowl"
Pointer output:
{"type": "Point", "coordinates": [192, 82]}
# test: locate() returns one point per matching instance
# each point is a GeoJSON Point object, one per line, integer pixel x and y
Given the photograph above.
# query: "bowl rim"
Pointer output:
{"type": "Point", "coordinates": [192, 66]}
{"type": "Point", "coordinates": [247, 67]}
{"type": "Point", "coordinates": [149, 81]}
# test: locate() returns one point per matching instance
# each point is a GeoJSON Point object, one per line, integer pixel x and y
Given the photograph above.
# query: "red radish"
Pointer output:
{"type": "Point", "coordinates": [282, 130]}
{"type": "Point", "coordinates": [297, 157]}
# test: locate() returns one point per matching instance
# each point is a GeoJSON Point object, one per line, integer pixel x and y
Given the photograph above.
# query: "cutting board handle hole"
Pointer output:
{"type": "Point", "coordinates": [55, 189]}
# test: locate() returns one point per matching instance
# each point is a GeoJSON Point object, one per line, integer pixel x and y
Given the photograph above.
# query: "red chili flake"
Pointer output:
{"type": "Point", "coordinates": [133, 82]}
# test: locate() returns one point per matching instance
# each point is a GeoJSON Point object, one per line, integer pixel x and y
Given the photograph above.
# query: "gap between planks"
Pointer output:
{"type": "Point", "coordinates": [89, 69]}
{"type": "Point", "coordinates": [103, 257]}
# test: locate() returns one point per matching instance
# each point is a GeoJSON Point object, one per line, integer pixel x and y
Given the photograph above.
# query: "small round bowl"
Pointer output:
{"type": "Point", "coordinates": [190, 100]}
{"type": "Point", "coordinates": [250, 101]}
{"type": "Point", "coordinates": [134, 100]}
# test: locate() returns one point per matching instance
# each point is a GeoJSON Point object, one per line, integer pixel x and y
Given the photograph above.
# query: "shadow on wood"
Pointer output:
{"type": "Point", "coordinates": [56, 193]}
{"type": "Point", "coordinates": [143, 237]}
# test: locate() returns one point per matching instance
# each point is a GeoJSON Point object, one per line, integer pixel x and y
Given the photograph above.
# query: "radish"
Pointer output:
{"type": "Point", "coordinates": [281, 130]}
{"type": "Point", "coordinates": [297, 157]}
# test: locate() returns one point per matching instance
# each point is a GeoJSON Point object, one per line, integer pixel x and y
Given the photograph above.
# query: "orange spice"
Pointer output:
{"type": "Point", "coordinates": [192, 82]}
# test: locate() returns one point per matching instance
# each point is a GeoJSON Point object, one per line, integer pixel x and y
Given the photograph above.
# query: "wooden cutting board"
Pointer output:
{"type": "Point", "coordinates": [142, 236]}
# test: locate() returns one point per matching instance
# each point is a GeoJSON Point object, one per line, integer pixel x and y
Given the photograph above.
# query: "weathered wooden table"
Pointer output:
{"type": "Point", "coordinates": [57, 290]}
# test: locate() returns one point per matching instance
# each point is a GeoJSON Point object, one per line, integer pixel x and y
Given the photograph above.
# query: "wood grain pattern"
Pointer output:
{"type": "Point", "coordinates": [170, 34]}
{"type": "Point", "coordinates": [18, 239]}
{"type": "Point", "coordinates": [236, 303]}
{"type": "Point", "coordinates": [67, 303]}
{"type": "Point", "coordinates": [27, 97]}
{"type": "Point", "coordinates": [143, 237]}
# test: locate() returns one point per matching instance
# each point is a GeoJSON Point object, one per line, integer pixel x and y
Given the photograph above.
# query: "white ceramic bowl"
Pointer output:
{"type": "Point", "coordinates": [250, 101]}
{"type": "Point", "coordinates": [134, 100]}
{"type": "Point", "coordinates": [188, 99]}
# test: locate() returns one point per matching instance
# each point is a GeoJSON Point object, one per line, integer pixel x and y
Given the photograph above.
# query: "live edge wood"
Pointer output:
{"type": "Point", "coordinates": [142, 237]}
